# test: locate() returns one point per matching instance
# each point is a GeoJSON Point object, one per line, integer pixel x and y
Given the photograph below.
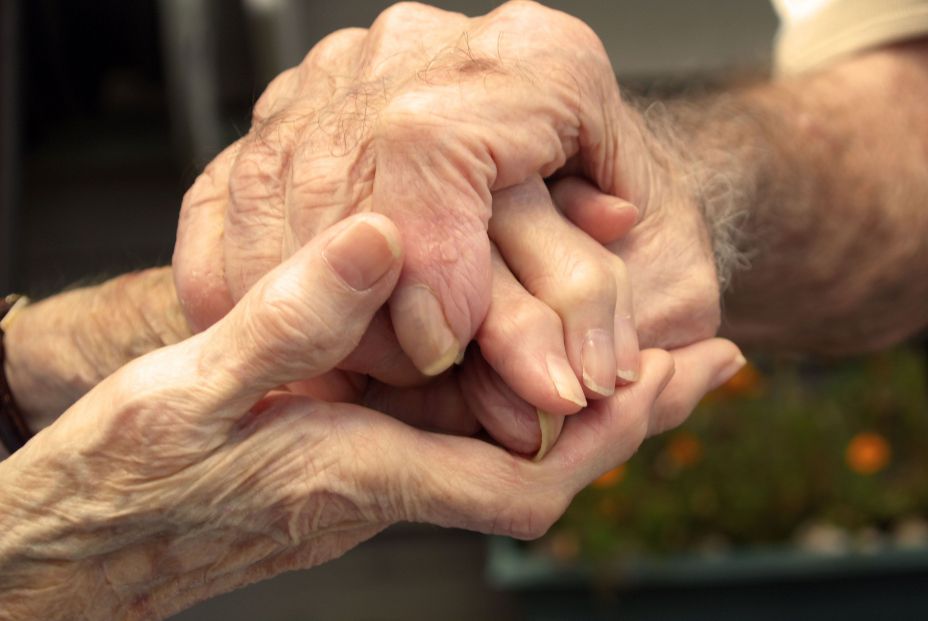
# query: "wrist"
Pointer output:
{"type": "Point", "coordinates": [59, 348]}
{"type": "Point", "coordinates": [51, 566]}
{"type": "Point", "coordinates": [714, 180]}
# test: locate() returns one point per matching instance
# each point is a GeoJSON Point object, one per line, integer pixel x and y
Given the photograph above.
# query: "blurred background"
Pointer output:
{"type": "Point", "coordinates": [799, 491]}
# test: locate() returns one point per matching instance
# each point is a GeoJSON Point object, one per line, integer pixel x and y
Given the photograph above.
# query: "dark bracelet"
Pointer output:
{"type": "Point", "coordinates": [14, 433]}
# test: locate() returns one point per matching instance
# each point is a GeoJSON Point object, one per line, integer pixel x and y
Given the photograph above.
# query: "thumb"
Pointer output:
{"type": "Point", "coordinates": [305, 316]}
{"type": "Point", "coordinates": [700, 368]}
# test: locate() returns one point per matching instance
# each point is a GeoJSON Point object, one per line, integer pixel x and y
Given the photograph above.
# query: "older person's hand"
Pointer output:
{"type": "Point", "coordinates": [188, 473]}
{"type": "Point", "coordinates": [422, 117]}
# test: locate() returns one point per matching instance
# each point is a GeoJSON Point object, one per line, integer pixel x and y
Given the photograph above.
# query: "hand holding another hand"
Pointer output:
{"type": "Point", "coordinates": [188, 472]}
{"type": "Point", "coordinates": [422, 118]}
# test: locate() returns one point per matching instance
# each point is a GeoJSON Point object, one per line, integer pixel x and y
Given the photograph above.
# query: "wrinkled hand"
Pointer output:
{"type": "Point", "coordinates": [187, 473]}
{"type": "Point", "coordinates": [421, 118]}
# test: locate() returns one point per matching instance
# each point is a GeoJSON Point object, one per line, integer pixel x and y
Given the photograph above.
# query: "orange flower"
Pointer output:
{"type": "Point", "coordinates": [746, 381]}
{"type": "Point", "coordinates": [563, 546]}
{"type": "Point", "coordinates": [684, 449]}
{"type": "Point", "coordinates": [610, 478]}
{"type": "Point", "coordinates": [868, 453]}
{"type": "Point", "coordinates": [608, 506]}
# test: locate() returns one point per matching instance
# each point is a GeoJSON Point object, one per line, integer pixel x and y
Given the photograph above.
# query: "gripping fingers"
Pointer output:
{"type": "Point", "coordinates": [572, 274]}
{"type": "Point", "coordinates": [523, 340]}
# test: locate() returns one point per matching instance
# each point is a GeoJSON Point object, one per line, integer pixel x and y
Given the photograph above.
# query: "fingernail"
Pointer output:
{"type": "Point", "coordinates": [627, 355]}
{"type": "Point", "coordinates": [729, 372]}
{"type": "Point", "coordinates": [598, 362]}
{"type": "Point", "coordinates": [565, 382]}
{"type": "Point", "coordinates": [551, 425]}
{"type": "Point", "coordinates": [361, 255]}
{"type": "Point", "coordinates": [620, 205]}
{"type": "Point", "coordinates": [436, 347]}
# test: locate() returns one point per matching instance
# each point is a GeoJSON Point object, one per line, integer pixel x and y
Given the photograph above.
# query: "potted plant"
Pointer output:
{"type": "Point", "coordinates": [793, 473]}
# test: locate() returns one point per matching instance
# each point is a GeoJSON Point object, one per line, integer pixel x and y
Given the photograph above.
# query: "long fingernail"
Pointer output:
{"type": "Point", "coordinates": [551, 425]}
{"type": "Point", "coordinates": [729, 372]}
{"type": "Point", "coordinates": [627, 355]}
{"type": "Point", "coordinates": [436, 347]}
{"type": "Point", "coordinates": [598, 362]}
{"type": "Point", "coordinates": [565, 382]}
{"type": "Point", "coordinates": [361, 255]}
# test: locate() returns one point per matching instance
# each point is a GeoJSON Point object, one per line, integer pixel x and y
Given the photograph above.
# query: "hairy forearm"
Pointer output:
{"type": "Point", "coordinates": [61, 347]}
{"type": "Point", "coordinates": [817, 185]}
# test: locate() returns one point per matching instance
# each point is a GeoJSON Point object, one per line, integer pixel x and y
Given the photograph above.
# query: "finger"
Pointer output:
{"type": "Point", "coordinates": [254, 217]}
{"type": "Point", "coordinates": [380, 356]}
{"type": "Point", "coordinates": [305, 316]}
{"type": "Point", "coordinates": [603, 217]}
{"type": "Point", "coordinates": [700, 368]}
{"type": "Point", "coordinates": [509, 419]}
{"type": "Point", "coordinates": [625, 330]}
{"type": "Point", "coordinates": [571, 273]}
{"type": "Point", "coordinates": [437, 406]}
{"type": "Point", "coordinates": [465, 483]}
{"type": "Point", "coordinates": [610, 431]}
{"type": "Point", "coordinates": [258, 231]}
{"type": "Point", "coordinates": [522, 339]}
{"type": "Point", "coordinates": [199, 270]}
{"type": "Point", "coordinates": [444, 291]}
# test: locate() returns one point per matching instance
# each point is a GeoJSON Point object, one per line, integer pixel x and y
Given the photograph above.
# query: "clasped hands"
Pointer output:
{"type": "Point", "coordinates": [387, 209]}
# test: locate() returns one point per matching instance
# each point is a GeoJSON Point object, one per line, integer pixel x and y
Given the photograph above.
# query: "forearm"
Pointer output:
{"type": "Point", "coordinates": [79, 548]}
{"type": "Point", "coordinates": [822, 177]}
{"type": "Point", "coordinates": [59, 348]}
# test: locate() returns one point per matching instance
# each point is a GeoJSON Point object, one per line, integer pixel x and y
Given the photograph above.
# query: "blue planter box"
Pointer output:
{"type": "Point", "coordinates": [774, 583]}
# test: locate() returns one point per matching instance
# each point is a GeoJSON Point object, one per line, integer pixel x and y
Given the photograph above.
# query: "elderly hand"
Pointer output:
{"type": "Point", "coordinates": [422, 117]}
{"type": "Point", "coordinates": [59, 348]}
{"type": "Point", "coordinates": [187, 473]}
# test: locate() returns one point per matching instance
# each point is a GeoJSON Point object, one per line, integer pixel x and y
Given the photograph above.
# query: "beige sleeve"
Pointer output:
{"type": "Point", "coordinates": [814, 33]}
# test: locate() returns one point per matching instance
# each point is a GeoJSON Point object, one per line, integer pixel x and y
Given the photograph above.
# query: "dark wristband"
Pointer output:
{"type": "Point", "coordinates": [14, 433]}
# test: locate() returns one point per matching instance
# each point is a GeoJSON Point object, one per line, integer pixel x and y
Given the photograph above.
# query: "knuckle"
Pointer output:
{"type": "Point", "coordinates": [525, 314]}
{"type": "Point", "coordinates": [272, 97]}
{"type": "Point", "coordinates": [405, 121]}
{"type": "Point", "coordinates": [585, 282]}
{"type": "Point", "coordinates": [254, 180]}
{"type": "Point", "coordinates": [401, 15]}
{"type": "Point", "coordinates": [332, 47]}
{"type": "Point", "coordinates": [524, 9]}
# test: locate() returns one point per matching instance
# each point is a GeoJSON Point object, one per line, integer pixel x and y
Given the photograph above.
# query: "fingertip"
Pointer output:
{"type": "Point", "coordinates": [604, 217]}
{"type": "Point", "coordinates": [729, 359]}
{"type": "Point", "coordinates": [627, 352]}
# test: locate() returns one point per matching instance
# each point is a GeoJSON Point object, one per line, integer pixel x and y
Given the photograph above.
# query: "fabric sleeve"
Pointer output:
{"type": "Point", "coordinates": [814, 33]}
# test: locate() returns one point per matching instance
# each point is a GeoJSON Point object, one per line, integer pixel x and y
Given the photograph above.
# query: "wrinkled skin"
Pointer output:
{"type": "Point", "coordinates": [422, 117]}
{"type": "Point", "coordinates": [188, 473]}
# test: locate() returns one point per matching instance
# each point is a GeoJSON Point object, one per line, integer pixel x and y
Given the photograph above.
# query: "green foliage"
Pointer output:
{"type": "Point", "coordinates": [769, 452]}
